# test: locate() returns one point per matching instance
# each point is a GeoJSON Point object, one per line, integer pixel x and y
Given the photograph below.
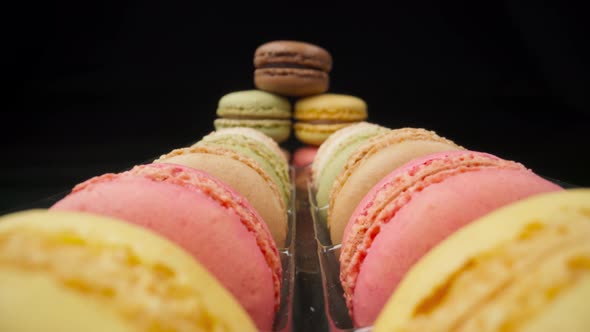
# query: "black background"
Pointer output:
{"type": "Point", "coordinates": [106, 86]}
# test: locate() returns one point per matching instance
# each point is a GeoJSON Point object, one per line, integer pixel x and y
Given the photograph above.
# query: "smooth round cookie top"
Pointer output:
{"type": "Point", "coordinates": [331, 107]}
{"type": "Point", "coordinates": [253, 104]}
{"type": "Point", "coordinates": [282, 53]}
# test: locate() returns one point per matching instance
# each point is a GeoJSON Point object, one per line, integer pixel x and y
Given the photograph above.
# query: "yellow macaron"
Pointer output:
{"type": "Point", "coordinates": [72, 271]}
{"type": "Point", "coordinates": [317, 117]}
{"type": "Point", "coordinates": [524, 267]}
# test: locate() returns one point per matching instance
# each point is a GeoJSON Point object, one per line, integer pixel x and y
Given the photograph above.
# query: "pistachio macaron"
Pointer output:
{"type": "Point", "coordinates": [264, 111]}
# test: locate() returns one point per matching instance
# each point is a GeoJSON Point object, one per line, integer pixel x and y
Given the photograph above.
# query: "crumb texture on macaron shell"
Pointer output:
{"type": "Point", "coordinates": [244, 175]}
{"type": "Point", "coordinates": [140, 276]}
{"type": "Point", "coordinates": [522, 267]}
{"type": "Point", "coordinates": [391, 197]}
{"type": "Point", "coordinates": [372, 161]}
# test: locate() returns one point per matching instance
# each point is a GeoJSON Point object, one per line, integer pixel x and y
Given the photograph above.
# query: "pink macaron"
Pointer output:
{"type": "Point", "coordinates": [415, 207]}
{"type": "Point", "coordinates": [304, 155]}
{"type": "Point", "coordinates": [200, 214]}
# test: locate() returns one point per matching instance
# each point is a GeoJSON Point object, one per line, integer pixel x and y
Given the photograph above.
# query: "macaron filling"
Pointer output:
{"type": "Point", "coordinates": [151, 296]}
{"type": "Point", "coordinates": [289, 65]}
{"type": "Point", "coordinates": [292, 72]}
{"type": "Point", "coordinates": [500, 289]}
{"type": "Point", "coordinates": [392, 196]}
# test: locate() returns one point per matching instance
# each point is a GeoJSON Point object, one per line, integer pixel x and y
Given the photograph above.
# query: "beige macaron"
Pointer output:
{"type": "Point", "coordinates": [370, 162]}
{"type": "Point", "coordinates": [244, 175]}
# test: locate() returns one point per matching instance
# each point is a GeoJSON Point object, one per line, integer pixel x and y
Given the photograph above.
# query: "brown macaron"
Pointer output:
{"type": "Point", "coordinates": [292, 68]}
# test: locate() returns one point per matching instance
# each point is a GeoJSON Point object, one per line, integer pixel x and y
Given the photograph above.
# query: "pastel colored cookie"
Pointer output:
{"type": "Point", "coordinates": [278, 130]}
{"type": "Point", "coordinates": [200, 214]}
{"type": "Point", "coordinates": [317, 117]}
{"type": "Point", "coordinates": [292, 68]}
{"type": "Point", "coordinates": [258, 147]}
{"type": "Point", "coordinates": [523, 268]}
{"type": "Point", "coordinates": [415, 207]}
{"type": "Point", "coordinates": [256, 109]}
{"type": "Point", "coordinates": [303, 156]}
{"type": "Point", "coordinates": [316, 134]}
{"type": "Point", "coordinates": [243, 174]}
{"type": "Point", "coordinates": [70, 272]}
{"type": "Point", "coordinates": [370, 162]}
{"type": "Point", "coordinates": [334, 153]}
{"type": "Point", "coordinates": [302, 159]}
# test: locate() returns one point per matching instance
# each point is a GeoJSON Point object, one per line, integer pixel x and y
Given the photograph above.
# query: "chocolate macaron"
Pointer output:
{"type": "Point", "coordinates": [292, 68]}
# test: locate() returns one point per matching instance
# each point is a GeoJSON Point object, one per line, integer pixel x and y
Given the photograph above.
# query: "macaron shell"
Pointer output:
{"type": "Point", "coordinates": [430, 216]}
{"type": "Point", "coordinates": [295, 82]}
{"type": "Point", "coordinates": [304, 156]}
{"type": "Point", "coordinates": [258, 147]}
{"type": "Point", "coordinates": [243, 175]}
{"type": "Point", "coordinates": [94, 256]}
{"type": "Point", "coordinates": [55, 308]}
{"type": "Point", "coordinates": [278, 130]}
{"type": "Point", "coordinates": [316, 134]}
{"type": "Point", "coordinates": [347, 192]}
{"type": "Point", "coordinates": [330, 106]}
{"type": "Point", "coordinates": [210, 232]}
{"type": "Point", "coordinates": [334, 153]}
{"type": "Point", "coordinates": [568, 312]}
{"type": "Point", "coordinates": [343, 138]}
{"type": "Point", "coordinates": [563, 213]}
{"type": "Point", "coordinates": [253, 104]}
{"type": "Point", "coordinates": [293, 52]}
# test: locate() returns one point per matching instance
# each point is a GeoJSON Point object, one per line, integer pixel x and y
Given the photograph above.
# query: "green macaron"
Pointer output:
{"type": "Point", "coordinates": [256, 109]}
{"type": "Point", "coordinates": [333, 154]}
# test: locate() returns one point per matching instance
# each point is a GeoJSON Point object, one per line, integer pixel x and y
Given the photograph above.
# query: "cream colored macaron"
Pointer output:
{"type": "Point", "coordinates": [71, 271]}
{"type": "Point", "coordinates": [370, 162]}
{"type": "Point", "coordinates": [524, 267]}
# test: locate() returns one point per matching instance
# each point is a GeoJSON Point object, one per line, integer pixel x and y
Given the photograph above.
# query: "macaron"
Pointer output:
{"type": "Point", "coordinates": [414, 208]}
{"type": "Point", "coordinates": [256, 109]}
{"type": "Point", "coordinates": [302, 159]}
{"type": "Point", "coordinates": [317, 117]}
{"type": "Point", "coordinates": [257, 146]}
{"type": "Point", "coordinates": [202, 215]}
{"type": "Point", "coordinates": [303, 156]}
{"type": "Point", "coordinates": [243, 174]}
{"type": "Point", "coordinates": [523, 267]}
{"type": "Point", "coordinates": [334, 153]}
{"type": "Point", "coordinates": [292, 68]}
{"type": "Point", "coordinates": [69, 272]}
{"type": "Point", "coordinates": [370, 162]}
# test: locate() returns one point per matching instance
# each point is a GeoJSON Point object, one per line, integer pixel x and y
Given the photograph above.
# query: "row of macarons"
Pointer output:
{"type": "Point", "coordinates": [284, 70]}
{"type": "Point", "coordinates": [222, 202]}
{"type": "Point", "coordinates": [390, 197]}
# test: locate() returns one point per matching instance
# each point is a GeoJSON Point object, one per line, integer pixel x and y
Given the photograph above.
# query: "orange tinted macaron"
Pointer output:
{"type": "Point", "coordinates": [317, 117]}
{"type": "Point", "coordinates": [292, 68]}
